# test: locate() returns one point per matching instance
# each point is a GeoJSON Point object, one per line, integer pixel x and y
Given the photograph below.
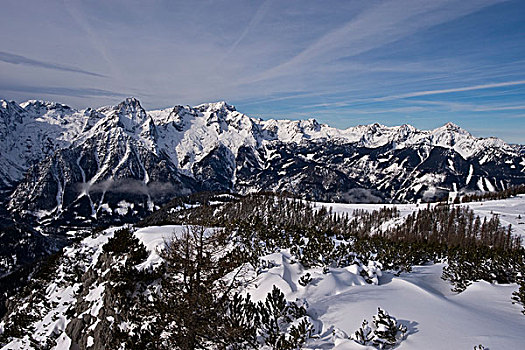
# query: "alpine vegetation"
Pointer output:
{"type": "Point", "coordinates": [263, 271]}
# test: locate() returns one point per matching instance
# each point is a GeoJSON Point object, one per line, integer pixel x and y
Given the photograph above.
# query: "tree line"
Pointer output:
{"type": "Point", "coordinates": [504, 194]}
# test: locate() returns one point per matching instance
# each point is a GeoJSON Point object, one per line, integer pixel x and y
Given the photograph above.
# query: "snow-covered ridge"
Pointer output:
{"type": "Point", "coordinates": [220, 123]}
{"type": "Point", "coordinates": [191, 132]}
{"type": "Point", "coordinates": [213, 146]}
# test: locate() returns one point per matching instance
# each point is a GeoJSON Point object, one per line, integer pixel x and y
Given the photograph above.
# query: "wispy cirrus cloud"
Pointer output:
{"type": "Point", "coordinates": [256, 19]}
{"type": "Point", "coordinates": [430, 93]}
{"type": "Point", "coordinates": [459, 106]}
{"type": "Point", "coordinates": [448, 91]}
{"type": "Point", "coordinates": [499, 108]}
{"type": "Point", "coordinates": [22, 60]}
{"type": "Point", "coordinates": [63, 91]}
{"type": "Point", "coordinates": [376, 26]}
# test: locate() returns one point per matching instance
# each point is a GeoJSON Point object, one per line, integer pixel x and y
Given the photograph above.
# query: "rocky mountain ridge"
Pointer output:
{"type": "Point", "coordinates": [119, 163]}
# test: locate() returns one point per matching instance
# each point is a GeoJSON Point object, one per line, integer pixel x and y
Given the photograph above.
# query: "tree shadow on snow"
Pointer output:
{"type": "Point", "coordinates": [315, 281]}
{"type": "Point", "coordinates": [386, 278]}
{"type": "Point", "coordinates": [411, 327]}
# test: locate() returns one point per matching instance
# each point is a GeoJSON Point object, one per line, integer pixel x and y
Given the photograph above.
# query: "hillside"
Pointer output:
{"type": "Point", "coordinates": [77, 298]}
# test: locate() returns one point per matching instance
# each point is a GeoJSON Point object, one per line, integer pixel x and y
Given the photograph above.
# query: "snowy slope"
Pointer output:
{"type": "Point", "coordinates": [435, 317]}
{"type": "Point", "coordinates": [31, 131]}
{"type": "Point", "coordinates": [511, 211]}
{"type": "Point", "coordinates": [338, 301]}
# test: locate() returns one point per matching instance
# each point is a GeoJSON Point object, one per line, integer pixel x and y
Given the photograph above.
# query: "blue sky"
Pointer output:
{"type": "Point", "coordinates": [342, 62]}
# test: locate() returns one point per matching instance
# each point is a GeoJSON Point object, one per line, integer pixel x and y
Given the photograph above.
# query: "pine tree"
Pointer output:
{"type": "Point", "coordinates": [387, 331]}
{"type": "Point", "coordinates": [363, 335]}
{"type": "Point", "coordinates": [193, 293]}
{"type": "Point", "coordinates": [276, 316]}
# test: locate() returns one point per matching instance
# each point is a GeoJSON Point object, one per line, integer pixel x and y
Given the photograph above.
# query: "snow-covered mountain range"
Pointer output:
{"type": "Point", "coordinates": [57, 163]}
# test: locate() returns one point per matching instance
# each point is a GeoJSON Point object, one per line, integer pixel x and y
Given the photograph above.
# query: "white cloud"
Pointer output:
{"type": "Point", "coordinates": [451, 90]}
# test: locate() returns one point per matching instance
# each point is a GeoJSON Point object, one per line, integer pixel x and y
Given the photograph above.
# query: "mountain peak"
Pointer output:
{"type": "Point", "coordinates": [407, 127]}
{"type": "Point", "coordinates": [10, 112]}
{"type": "Point", "coordinates": [451, 126]}
{"type": "Point", "coordinates": [39, 106]}
{"type": "Point", "coordinates": [130, 113]}
{"type": "Point", "coordinates": [216, 106]}
{"type": "Point", "coordinates": [5, 104]}
{"type": "Point", "coordinates": [131, 102]}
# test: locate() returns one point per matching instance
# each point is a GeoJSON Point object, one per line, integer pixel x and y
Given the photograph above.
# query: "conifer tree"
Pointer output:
{"type": "Point", "coordinates": [363, 335]}
{"type": "Point", "coordinates": [387, 331]}
{"type": "Point", "coordinates": [193, 290]}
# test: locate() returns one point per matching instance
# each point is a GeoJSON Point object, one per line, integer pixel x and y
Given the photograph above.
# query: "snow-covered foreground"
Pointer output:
{"type": "Point", "coordinates": [340, 300]}
{"type": "Point", "coordinates": [436, 318]}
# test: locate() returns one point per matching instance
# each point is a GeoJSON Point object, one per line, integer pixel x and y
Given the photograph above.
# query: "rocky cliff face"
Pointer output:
{"type": "Point", "coordinates": [119, 163]}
